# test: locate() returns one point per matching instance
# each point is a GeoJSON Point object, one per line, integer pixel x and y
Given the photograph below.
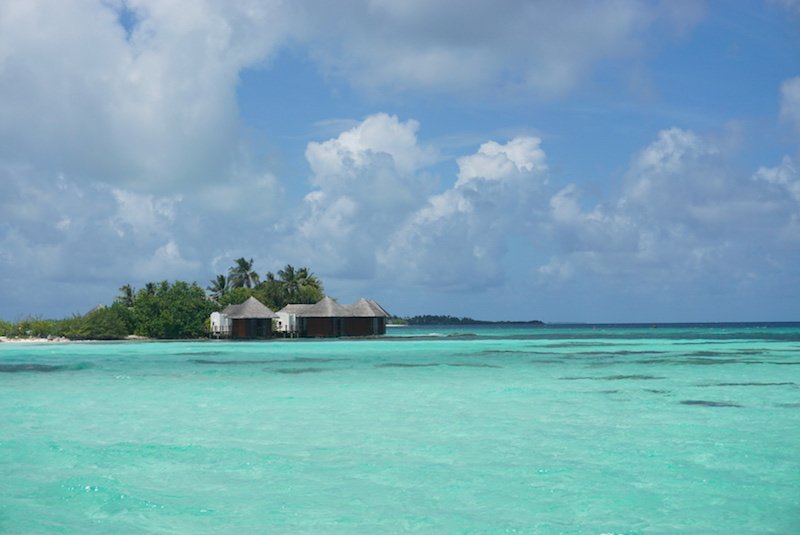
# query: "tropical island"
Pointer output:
{"type": "Point", "coordinates": [183, 310]}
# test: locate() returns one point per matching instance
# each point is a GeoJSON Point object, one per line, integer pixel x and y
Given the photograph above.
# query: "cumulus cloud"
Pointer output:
{"type": "Point", "coordinates": [686, 214]}
{"type": "Point", "coordinates": [458, 238]}
{"type": "Point", "coordinates": [366, 180]}
{"type": "Point", "coordinates": [153, 107]}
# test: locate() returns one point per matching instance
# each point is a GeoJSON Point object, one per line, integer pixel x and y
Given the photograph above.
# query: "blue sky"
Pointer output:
{"type": "Point", "coordinates": [604, 161]}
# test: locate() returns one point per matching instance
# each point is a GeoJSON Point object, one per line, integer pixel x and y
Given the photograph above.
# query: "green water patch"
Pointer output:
{"type": "Point", "coordinates": [706, 403]}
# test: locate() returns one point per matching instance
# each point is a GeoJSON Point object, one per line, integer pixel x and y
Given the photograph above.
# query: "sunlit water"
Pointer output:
{"type": "Point", "coordinates": [472, 430]}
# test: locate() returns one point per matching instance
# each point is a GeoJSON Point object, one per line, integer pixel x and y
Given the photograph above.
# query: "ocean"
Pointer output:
{"type": "Point", "coordinates": [488, 429]}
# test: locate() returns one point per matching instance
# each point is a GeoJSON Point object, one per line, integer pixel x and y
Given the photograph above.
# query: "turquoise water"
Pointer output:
{"type": "Point", "coordinates": [580, 429]}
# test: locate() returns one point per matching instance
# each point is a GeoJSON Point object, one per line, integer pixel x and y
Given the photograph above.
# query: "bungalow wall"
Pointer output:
{"type": "Point", "coordinates": [364, 326]}
{"type": "Point", "coordinates": [251, 328]}
{"type": "Point", "coordinates": [322, 327]}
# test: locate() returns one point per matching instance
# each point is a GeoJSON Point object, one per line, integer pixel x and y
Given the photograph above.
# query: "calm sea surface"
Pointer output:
{"type": "Point", "coordinates": [574, 429]}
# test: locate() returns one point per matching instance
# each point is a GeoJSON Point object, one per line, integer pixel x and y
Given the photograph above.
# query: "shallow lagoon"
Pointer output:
{"type": "Point", "coordinates": [579, 429]}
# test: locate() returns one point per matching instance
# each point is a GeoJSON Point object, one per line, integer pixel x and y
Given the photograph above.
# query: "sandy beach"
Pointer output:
{"type": "Point", "coordinates": [57, 339]}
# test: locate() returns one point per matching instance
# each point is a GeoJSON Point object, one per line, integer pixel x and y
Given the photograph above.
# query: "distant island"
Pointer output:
{"type": "Point", "coordinates": [429, 319]}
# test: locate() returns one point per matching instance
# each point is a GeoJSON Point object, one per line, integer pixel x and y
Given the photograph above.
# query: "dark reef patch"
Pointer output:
{"type": "Point", "coordinates": [297, 371]}
{"type": "Point", "coordinates": [29, 367]}
{"type": "Point", "coordinates": [404, 365]}
{"type": "Point", "coordinates": [614, 378]}
{"type": "Point", "coordinates": [205, 353]}
{"type": "Point", "coordinates": [473, 365]}
{"type": "Point", "coordinates": [654, 391]}
{"type": "Point", "coordinates": [787, 383]}
{"type": "Point", "coordinates": [303, 359]}
{"type": "Point", "coordinates": [227, 362]}
{"type": "Point", "coordinates": [705, 403]}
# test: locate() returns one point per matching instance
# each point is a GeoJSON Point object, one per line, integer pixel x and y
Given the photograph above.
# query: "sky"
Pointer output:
{"type": "Point", "coordinates": [584, 161]}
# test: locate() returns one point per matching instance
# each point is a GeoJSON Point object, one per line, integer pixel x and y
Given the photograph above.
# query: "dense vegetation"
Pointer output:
{"type": "Point", "coordinates": [175, 310]}
{"type": "Point", "coordinates": [291, 285]}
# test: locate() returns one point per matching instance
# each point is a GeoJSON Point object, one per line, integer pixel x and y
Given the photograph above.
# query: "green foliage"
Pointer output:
{"type": "Point", "coordinates": [6, 328]}
{"type": "Point", "coordinates": [34, 326]}
{"type": "Point", "coordinates": [176, 310]}
{"type": "Point", "coordinates": [218, 288]}
{"type": "Point", "coordinates": [297, 286]}
{"type": "Point", "coordinates": [234, 296]}
{"type": "Point", "coordinates": [292, 285]}
{"type": "Point", "coordinates": [127, 296]}
{"type": "Point", "coordinates": [104, 323]}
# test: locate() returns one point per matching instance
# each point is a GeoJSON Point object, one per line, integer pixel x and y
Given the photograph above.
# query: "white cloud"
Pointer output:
{"type": "Point", "coordinates": [546, 47]}
{"type": "Point", "coordinates": [143, 214]}
{"type": "Point", "coordinates": [458, 238]}
{"type": "Point", "coordinates": [367, 181]}
{"type": "Point", "coordinates": [156, 108]}
{"type": "Point", "coordinates": [166, 262]}
{"type": "Point", "coordinates": [686, 214]}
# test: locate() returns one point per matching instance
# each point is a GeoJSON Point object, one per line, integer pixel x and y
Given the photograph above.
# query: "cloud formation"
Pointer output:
{"type": "Point", "coordinates": [458, 238]}
{"type": "Point", "coordinates": [442, 45]}
{"type": "Point", "coordinates": [686, 215]}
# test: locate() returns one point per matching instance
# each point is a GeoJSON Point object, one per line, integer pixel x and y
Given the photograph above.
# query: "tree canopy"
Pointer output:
{"type": "Point", "coordinates": [291, 285]}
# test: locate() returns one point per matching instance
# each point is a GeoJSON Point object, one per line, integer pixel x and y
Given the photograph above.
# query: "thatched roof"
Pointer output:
{"type": "Point", "coordinates": [250, 309]}
{"type": "Point", "coordinates": [325, 308]}
{"type": "Point", "coordinates": [295, 309]}
{"type": "Point", "coordinates": [366, 308]}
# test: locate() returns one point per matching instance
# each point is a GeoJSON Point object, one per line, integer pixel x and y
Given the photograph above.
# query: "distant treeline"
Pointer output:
{"type": "Point", "coordinates": [430, 319]}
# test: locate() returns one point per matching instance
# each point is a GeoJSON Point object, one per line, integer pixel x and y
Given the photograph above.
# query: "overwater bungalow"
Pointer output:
{"type": "Point", "coordinates": [329, 319]}
{"type": "Point", "coordinates": [323, 319]}
{"type": "Point", "coordinates": [250, 319]}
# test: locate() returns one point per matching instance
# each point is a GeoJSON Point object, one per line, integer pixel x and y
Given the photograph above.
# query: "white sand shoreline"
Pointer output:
{"type": "Point", "coordinates": [52, 340]}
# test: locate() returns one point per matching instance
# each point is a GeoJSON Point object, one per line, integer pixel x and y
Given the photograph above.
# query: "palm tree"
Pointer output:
{"type": "Point", "coordinates": [300, 285]}
{"type": "Point", "coordinates": [242, 275]}
{"type": "Point", "coordinates": [218, 287]}
{"type": "Point", "coordinates": [126, 295]}
{"type": "Point", "coordinates": [289, 282]}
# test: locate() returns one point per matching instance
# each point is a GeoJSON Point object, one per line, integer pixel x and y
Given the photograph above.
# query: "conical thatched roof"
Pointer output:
{"type": "Point", "coordinates": [295, 309]}
{"type": "Point", "coordinates": [365, 308]}
{"type": "Point", "coordinates": [326, 308]}
{"type": "Point", "coordinates": [250, 309]}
